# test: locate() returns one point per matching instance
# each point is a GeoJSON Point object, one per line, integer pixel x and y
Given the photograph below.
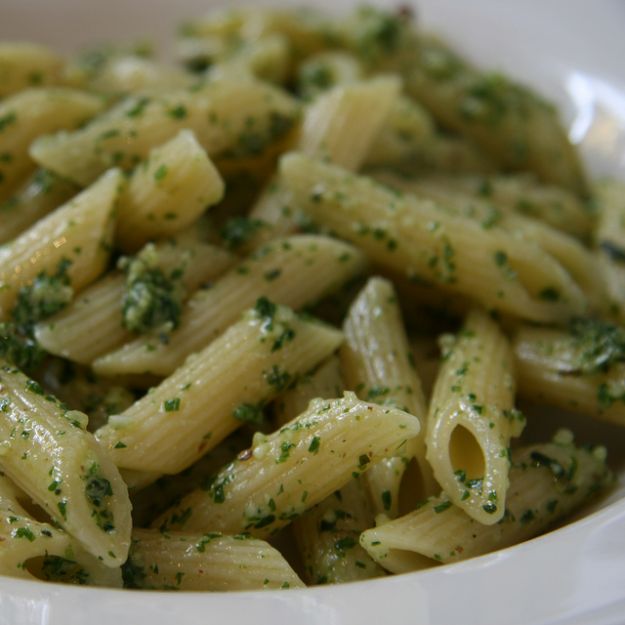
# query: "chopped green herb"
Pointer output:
{"type": "Point", "coordinates": [313, 448]}
{"type": "Point", "coordinates": [171, 405]}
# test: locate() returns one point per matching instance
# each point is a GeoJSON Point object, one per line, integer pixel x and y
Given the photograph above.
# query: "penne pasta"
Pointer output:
{"type": "Point", "coordinates": [210, 561]}
{"type": "Point", "coordinates": [95, 322]}
{"type": "Point", "coordinates": [124, 135]}
{"type": "Point", "coordinates": [35, 549]}
{"type": "Point", "coordinates": [276, 480]}
{"type": "Point", "coordinates": [39, 195]}
{"type": "Point", "coordinates": [580, 370]}
{"type": "Point", "coordinates": [418, 239]}
{"type": "Point", "coordinates": [217, 390]}
{"type": "Point", "coordinates": [30, 113]}
{"type": "Point", "coordinates": [167, 192]}
{"type": "Point", "coordinates": [327, 535]}
{"type": "Point", "coordinates": [377, 364]}
{"type": "Point", "coordinates": [76, 236]}
{"type": "Point", "coordinates": [512, 124]}
{"type": "Point", "coordinates": [49, 455]}
{"type": "Point", "coordinates": [472, 419]}
{"type": "Point", "coordinates": [547, 482]}
{"type": "Point", "coordinates": [294, 271]}
{"type": "Point", "coordinates": [24, 65]}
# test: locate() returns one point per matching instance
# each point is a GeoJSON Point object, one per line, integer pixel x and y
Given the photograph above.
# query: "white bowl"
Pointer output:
{"type": "Point", "coordinates": [572, 51]}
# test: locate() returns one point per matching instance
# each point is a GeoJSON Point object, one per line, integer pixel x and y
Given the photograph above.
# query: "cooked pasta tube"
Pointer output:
{"type": "Point", "coordinates": [278, 479]}
{"type": "Point", "coordinates": [609, 234]}
{"type": "Point", "coordinates": [306, 31]}
{"type": "Point", "coordinates": [167, 192]}
{"type": "Point", "coordinates": [409, 143]}
{"type": "Point", "coordinates": [39, 195]}
{"type": "Point", "coordinates": [576, 259]}
{"type": "Point", "coordinates": [211, 561]}
{"type": "Point", "coordinates": [267, 58]}
{"type": "Point", "coordinates": [24, 65]}
{"type": "Point", "coordinates": [547, 482]}
{"type": "Point", "coordinates": [581, 369]}
{"type": "Point", "coordinates": [511, 123]}
{"type": "Point", "coordinates": [324, 70]}
{"type": "Point", "coordinates": [294, 271]}
{"type": "Point", "coordinates": [472, 419]}
{"type": "Point", "coordinates": [422, 241]}
{"type": "Point", "coordinates": [49, 455]}
{"type": "Point", "coordinates": [609, 238]}
{"type": "Point", "coordinates": [341, 124]}
{"type": "Point", "coordinates": [94, 323]}
{"type": "Point", "coordinates": [33, 112]}
{"type": "Point", "coordinates": [217, 390]}
{"type": "Point", "coordinates": [219, 114]}
{"type": "Point", "coordinates": [527, 196]}
{"type": "Point", "coordinates": [327, 535]}
{"type": "Point", "coordinates": [35, 549]}
{"type": "Point", "coordinates": [135, 74]}
{"type": "Point", "coordinates": [377, 365]}
{"type": "Point", "coordinates": [78, 234]}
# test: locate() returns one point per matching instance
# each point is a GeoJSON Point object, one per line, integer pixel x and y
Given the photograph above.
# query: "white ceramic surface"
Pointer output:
{"type": "Point", "coordinates": [572, 50]}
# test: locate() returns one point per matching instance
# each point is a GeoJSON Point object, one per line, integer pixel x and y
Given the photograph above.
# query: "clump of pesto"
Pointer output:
{"type": "Point", "coordinates": [153, 296]}
{"type": "Point", "coordinates": [45, 296]}
{"type": "Point", "coordinates": [596, 344]}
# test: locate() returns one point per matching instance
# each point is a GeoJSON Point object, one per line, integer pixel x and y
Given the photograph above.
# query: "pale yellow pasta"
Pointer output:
{"type": "Point", "coordinates": [472, 419]}
{"type": "Point", "coordinates": [420, 240]}
{"type": "Point", "coordinates": [406, 131]}
{"type": "Point", "coordinates": [327, 535]}
{"type": "Point", "coordinates": [34, 549]}
{"type": "Point", "coordinates": [219, 114]}
{"type": "Point", "coordinates": [609, 238]}
{"type": "Point", "coordinates": [287, 290]}
{"type": "Point", "coordinates": [294, 271]}
{"type": "Point", "coordinates": [217, 389]}
{"type": "Point", "coordinates": [33, 112]}
{"type": "Point", "coordinates": [93, 323]}
{"type": "Point", "coordinates": [79, 232]}
{"type": "Point", "coordinates": [135, 74]}
{"type": "Point", "coordinates": [572, 370]}
{"type": "Point", "coordinates": [377, 364]}
{"type": "Point", "coordinates": [35, 198]}
{"type": "Point", "coordinates": [305, 29]}
{"type": "Point", "coordinates": [167, 192]}
{"type": "Point", "coordinates": [547, 482]}
{"type": "Point", "coordinates": [267, 58]}
{"type": "Point", "coordinates": [48, 454]}
{"type": "Point", "coordinates": [526, 195]}
{"type": "Point", "coordinates": [324, 70]}
{"type": "Point", "coordinates": [24, 65]}
{"type": "Point", "coordinates": [511, 123]}
{"type": "Point", "coordinates": [341, 124]}
{"type": "Point", "coordinates": [289, 471]}
{"type": "Point", "coordinates": [576, 259]}
{"type": "Point", "coordinates": [210, 561]}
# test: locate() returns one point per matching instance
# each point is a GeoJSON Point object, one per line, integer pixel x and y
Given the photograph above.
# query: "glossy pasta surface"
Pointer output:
{"type": "Point", "coordinates": [290, 309]}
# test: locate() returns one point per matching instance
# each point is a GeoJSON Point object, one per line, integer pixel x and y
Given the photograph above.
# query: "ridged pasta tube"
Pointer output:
{"type": "Point", "coordinates": [48, 454]}
{"type": "Point", "coordinates": [294, 271]}
{"type": "Point", "coordinates": [294, 468]}
{"type": "Point", "coordinates": [217, 389]}
{"type": "Point", "coordinates": [422, 241]}
{"type": "Point", "coordinates": [547, 482]}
